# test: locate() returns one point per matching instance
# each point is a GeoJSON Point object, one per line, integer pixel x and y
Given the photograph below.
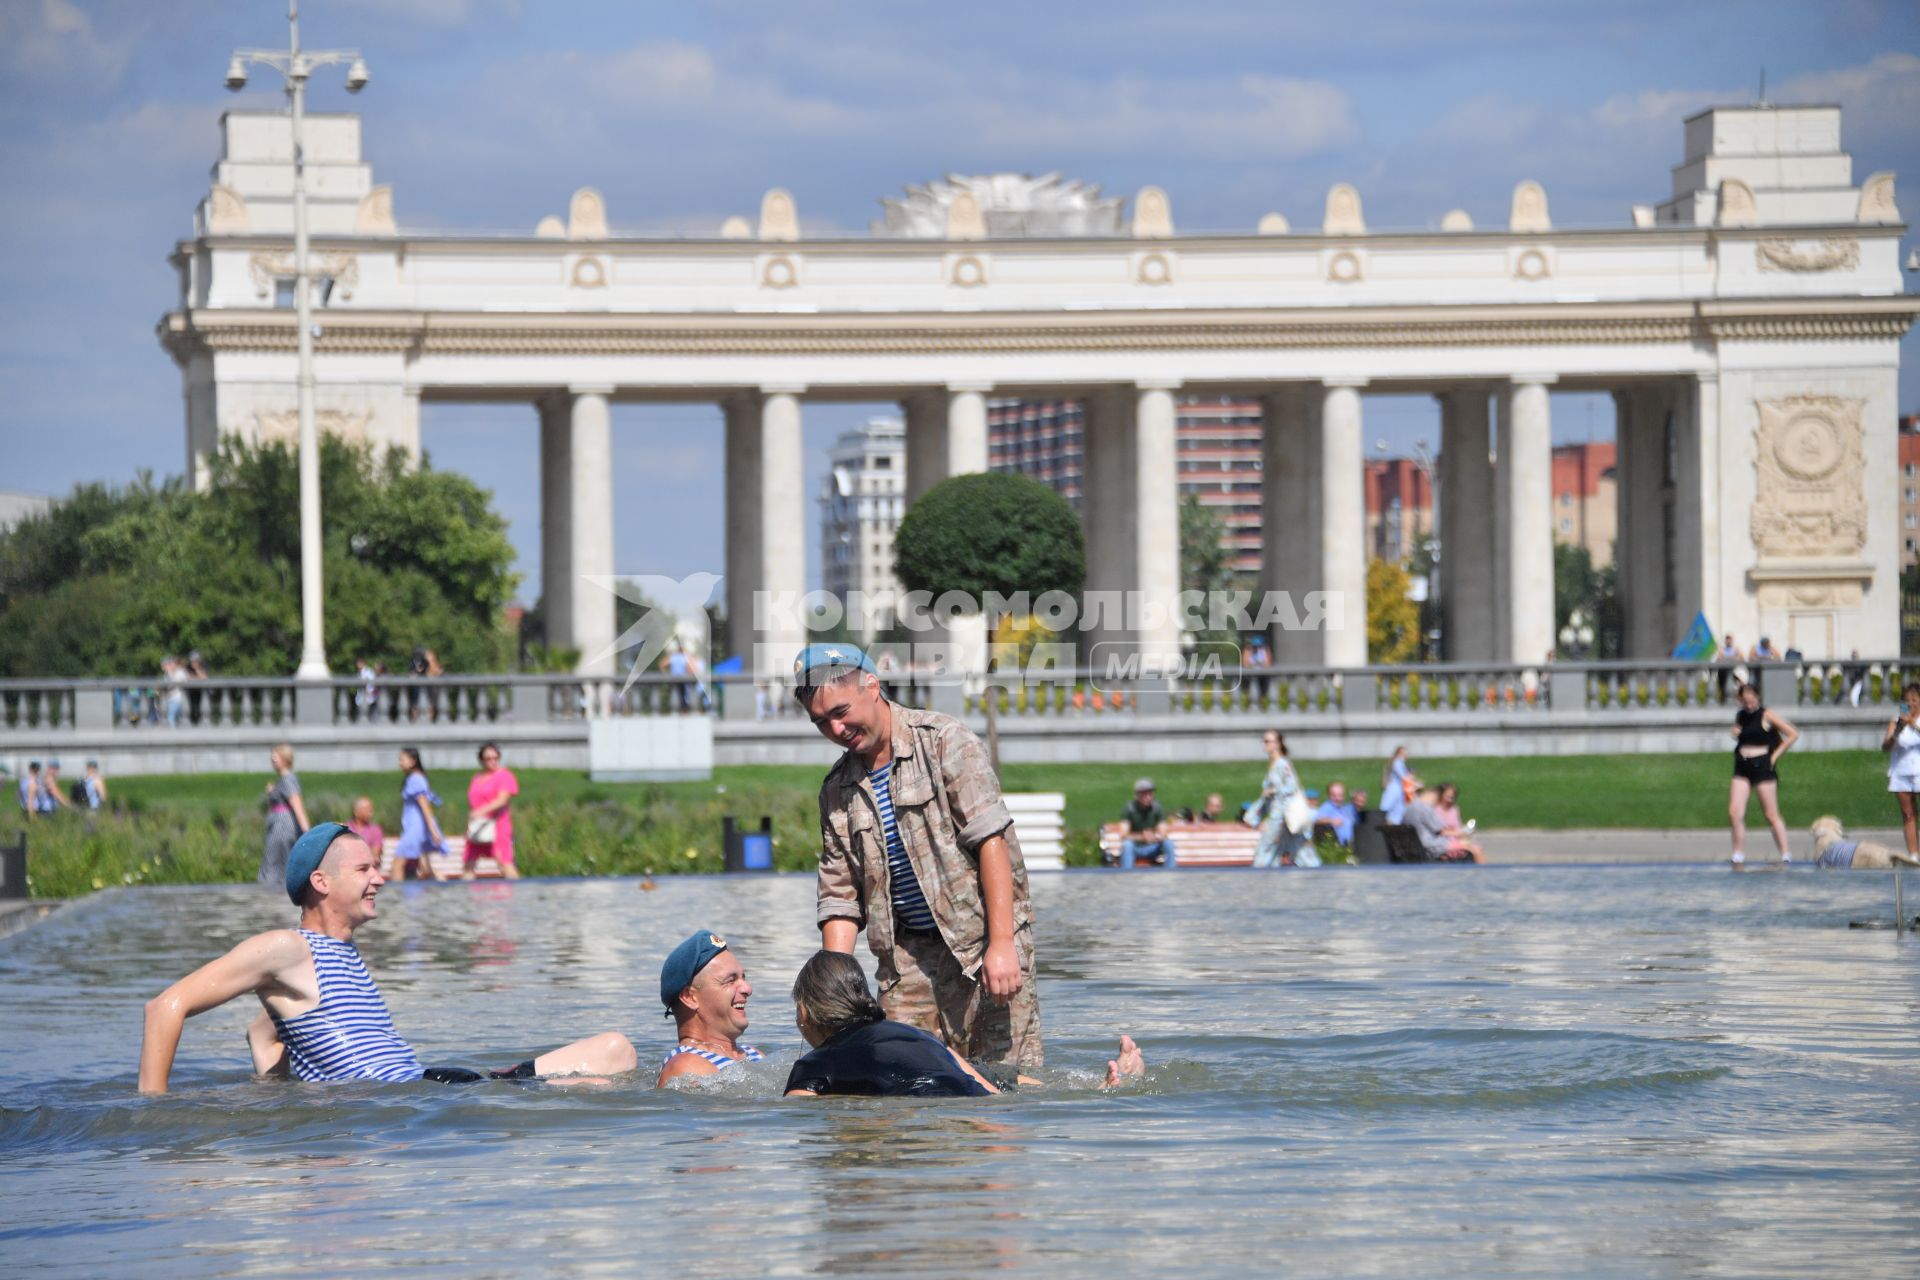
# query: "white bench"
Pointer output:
{"type": "Point", "coordinates": [1196, 844]}
{"type": "Point", "coordinates": [448, 865]}
{"type": "Point", "coordinates": [1037, 818]}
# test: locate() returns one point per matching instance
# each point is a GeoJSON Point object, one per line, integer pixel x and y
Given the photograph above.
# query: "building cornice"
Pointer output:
{"type": "Point", "coordinates": [929, 333]}
{"type": "Point", "coordinates": [1229, 242]}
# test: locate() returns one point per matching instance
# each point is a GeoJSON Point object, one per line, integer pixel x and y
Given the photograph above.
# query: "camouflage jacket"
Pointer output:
{"type": "Point", "coordinates": [946, 804]}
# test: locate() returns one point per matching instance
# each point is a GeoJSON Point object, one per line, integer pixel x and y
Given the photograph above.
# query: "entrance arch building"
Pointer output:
{"type": "Point", "coordinates": [1747, 329]}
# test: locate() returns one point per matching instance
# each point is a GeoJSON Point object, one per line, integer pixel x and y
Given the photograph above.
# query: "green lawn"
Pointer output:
{"type": "Point", "coordinates": [207, 827]}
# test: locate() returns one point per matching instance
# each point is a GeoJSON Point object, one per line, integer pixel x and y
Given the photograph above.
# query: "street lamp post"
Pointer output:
{"type": "Point", "coordinates": [297, 65]}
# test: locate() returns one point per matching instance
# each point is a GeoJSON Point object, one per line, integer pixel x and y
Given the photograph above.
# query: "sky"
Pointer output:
{"type": "Point", "coordinates": [485, 115]}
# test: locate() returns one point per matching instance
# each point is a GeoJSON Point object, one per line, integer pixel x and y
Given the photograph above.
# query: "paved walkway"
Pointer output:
{"type": "Point", "coordinates": [1548, 848]}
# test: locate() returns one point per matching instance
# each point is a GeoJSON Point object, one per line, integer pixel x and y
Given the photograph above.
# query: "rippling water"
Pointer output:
{"type": "Point", "coordinates": [1404, 1072]}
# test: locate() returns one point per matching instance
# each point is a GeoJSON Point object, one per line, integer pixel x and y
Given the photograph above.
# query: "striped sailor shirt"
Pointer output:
{"type": "Point", "coordinates": [910, 909]}
{"type": "Point", "coordinates": [349, 1035]}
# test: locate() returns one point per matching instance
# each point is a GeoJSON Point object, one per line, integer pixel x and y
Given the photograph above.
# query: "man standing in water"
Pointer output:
{"type": "Point", "coordinates": [918, 847]}
{"type": "Point", "coordinates": [323, 1018]}
{"type": "Point", "coordinates": [705, 989]}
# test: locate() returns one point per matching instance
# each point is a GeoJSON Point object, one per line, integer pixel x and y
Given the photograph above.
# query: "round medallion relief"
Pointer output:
{"type": "Point", "coordinates": [1809, 448]}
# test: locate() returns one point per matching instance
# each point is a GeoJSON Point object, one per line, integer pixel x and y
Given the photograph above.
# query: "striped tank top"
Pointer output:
{"type": "Point", "coordinates": [747, 1054]}
{"type": "Point", "coordinates": [910, 909]}
{"type": "Point", "coordinates": [349, 1035]}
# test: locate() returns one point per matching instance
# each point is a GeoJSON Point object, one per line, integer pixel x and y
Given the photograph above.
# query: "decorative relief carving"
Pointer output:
{"type": "Point", "coordinates": [780, 272]}
{"type": "Point", "coordinates": [268, 265]}
{"type": "Point", "coordinates": [589, 273]}
{"type": "Point", "coordinates": [1155, 268]}
{"type": "Point", "coordinates": [1344, 267]}
{"type": "Point", "coordinates": [1529, 210]}
{"type": "Point", "coordinates": [1343, 216]}
{"type": "Point", "coordinates": [969, 272]}
{"type": "Point", "coordinates": [736, 228]}
{"type": "Point", "coordinates": [226, 212]}
{"type": "Point", "coordinates": [1810, 496]}
{"type": "Point", "coordinates": [1876, 199]}
{"type": "Point", "coordinates": [283, 425]}
{"type": "Point", "coordinates": [587, 215]}
{"type": "Point", "coordinates": [1532, 265]}
{"type": "Point", "coordinates": [1457, 220]}
{"type": "Point", "coordinates": [964, 219]}
{"type": "Point", "coordinates": [374, 217]}
{"type": "Point", "coordinates": [1836, 253]}
{"type": "Point", "coordinates": [1152, 213]}
{"type": "Point", "coordinates": [779, 218]}
{"type": "Point", "coordinates": [1273, 224]}
{"type": "Point", "coordinates": [1738, 208]}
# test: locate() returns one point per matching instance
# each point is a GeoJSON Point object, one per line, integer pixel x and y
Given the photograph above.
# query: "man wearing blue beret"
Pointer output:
{"type": "Point", "coordinates": [918, 848]}
{"type": "Point", "coordinates": [323, 1020]}
{"type": "Point", "coordinates": [705, 989]}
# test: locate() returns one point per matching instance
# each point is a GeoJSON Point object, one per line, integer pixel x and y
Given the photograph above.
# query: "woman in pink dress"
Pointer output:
{"type": "Point", "coordinates": [490, 815]}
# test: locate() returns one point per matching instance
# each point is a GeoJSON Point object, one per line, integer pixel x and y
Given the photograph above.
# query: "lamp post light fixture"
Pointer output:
{"type": "Point", "coordinates": [296, 65]}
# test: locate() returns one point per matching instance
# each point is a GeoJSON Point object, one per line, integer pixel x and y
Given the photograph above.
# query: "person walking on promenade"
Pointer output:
{"type": "Point", "coordinates": [1279, 844]}
{"type": "Point", "coordinates": [286, 816]}
{"type": "Point", "coordinates": [1724, 661]}
{"type": "Point", "coordinates": [420, 835]}
{"type": "Point", "coordinates": [1397, 786]}
{"type": "Point", "coordinates": [30, 790]}
{"type": "Point", "coordinates": [490, 814]}
{"type": "Point", "coordinates": [93, 786]}
{"type": "Point", "coordinates": [322, 1018]}
{"type": "Point", "coordinates": [917, 846]}
{"type": "Point", "coordinates": [1902, 743]}
{"type": "Point", "coordinates": [1761, 737]}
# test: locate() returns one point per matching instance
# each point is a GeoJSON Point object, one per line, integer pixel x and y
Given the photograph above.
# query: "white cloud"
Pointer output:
{"type": "Point", "coordinates": [55, 40]}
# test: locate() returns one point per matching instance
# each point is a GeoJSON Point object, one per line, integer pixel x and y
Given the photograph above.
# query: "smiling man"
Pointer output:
{"type": "Point", "coordinates": [323, 1020]}
{"type": "Point", "coordinates": [705, 989]}
{"type": "Point", "coordinates": [918, 847]}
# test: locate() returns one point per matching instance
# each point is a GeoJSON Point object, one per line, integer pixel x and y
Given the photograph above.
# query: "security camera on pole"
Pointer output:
{"type": "Point", "coordinates": [297, 64]}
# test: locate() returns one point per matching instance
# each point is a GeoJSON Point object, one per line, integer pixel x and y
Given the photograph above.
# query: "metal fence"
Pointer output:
{"type": "Point", "coordinates": [1605, 688]}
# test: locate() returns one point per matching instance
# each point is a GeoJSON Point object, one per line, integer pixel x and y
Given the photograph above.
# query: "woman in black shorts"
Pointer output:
{"type": "Point", "coordinates": [1760, 738]}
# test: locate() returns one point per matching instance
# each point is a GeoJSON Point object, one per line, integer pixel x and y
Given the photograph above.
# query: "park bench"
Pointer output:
{"type": "Point", "coordinates": [1195, 844]}
{"type": "Point", "coordinates": [448, 865]}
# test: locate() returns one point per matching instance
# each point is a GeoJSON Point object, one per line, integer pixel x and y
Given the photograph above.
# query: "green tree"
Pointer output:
{"type": "Point", "coordinates": [1393, 616]}
{"type": "Point", "coordinates": [990, 532]}
{"type": "Point", "coordinates": [113, 579]}
{"type": "Point", "coordinates": [1206, 565]}
{"type": "Point", "coordinates": [1578, 584]}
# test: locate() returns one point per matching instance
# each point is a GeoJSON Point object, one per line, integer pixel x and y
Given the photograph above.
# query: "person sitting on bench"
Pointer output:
{"type": "Point", "coordinates": [1146, 837]}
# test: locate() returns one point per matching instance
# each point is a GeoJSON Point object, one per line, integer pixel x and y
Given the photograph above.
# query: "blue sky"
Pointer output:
{"type": "Point", "coordinates": [487, 114]}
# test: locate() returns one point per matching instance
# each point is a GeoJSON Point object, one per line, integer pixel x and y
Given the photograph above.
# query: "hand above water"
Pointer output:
{"type": "Point", "coordinates": [1002, 971]}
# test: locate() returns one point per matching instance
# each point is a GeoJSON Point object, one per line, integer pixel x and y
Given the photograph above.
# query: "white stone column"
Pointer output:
{"type": "Point", "coordinates": [1156, 487]}
{"type": "Point", "coordinates": [766, 529]}
{"type": "Point", "coordinates": [556, 519]}
{"type": "Point", "coordinates": [946, 437]}
{"type": "Point", "coordinates": [1106, 511]}
{"type": "Point", "coordinates": [1526, 458]}
{"type": "Point", "coordinates": [1640, 549]}
{"type": "Point", "coordinates": [1343, 524]}
{"type": "Point", "coordinates": [1466, 526]}
{"type": "Point", "coordinates": [926, 415]}
{"type": "Point", "coordinates": [1290, 514]}
{"type": "Point", "coordinates": [590, 484]}
{"type": "Point", "coordinates": [410, 423]}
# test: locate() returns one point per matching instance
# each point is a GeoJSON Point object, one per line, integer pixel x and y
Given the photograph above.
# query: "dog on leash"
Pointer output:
{"type": "Point", "coordinates": [1837, 853]}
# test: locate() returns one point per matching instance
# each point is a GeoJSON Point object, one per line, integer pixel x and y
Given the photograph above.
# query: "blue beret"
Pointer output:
{"type": "Point", "coordinates": [306, 855]}
{"type": "Point", "coordinates": [685, 962]}
{"type": "Point", "coordinates": [819, 663]}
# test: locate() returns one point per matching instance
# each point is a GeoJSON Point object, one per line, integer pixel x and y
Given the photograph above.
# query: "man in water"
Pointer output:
{"type": "Point", "coordinates": [705, 989]}
{"type": "Point", "coordinates": [323, 1018]}
{"type": "Point", "coordinates": [918, 847]}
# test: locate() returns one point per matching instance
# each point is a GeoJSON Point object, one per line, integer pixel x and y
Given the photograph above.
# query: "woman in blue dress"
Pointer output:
{"type": "Point", "coordinates": [1278, 846]}
{"type": "Point", "coordinates": [419, 829]}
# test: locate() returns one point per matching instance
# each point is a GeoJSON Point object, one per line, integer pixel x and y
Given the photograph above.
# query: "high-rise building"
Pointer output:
{"type": "Point", "coordinates": [1586, 511]}
{"type": "Point", "coordinates": [860, 507]}
{"type": "Point", "coordinates": [1218, 447]}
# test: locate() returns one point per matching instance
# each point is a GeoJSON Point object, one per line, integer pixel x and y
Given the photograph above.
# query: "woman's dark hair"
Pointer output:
{"type": "Point", "coordinates": [834, 993]}
{"type": "Point", "coordinates": [1746, 688]}
{"type": "Point", "coordinates": [485, 747]}
{"type": "Point", "coordinates": [1280, 738]}
{"type": "Point", "coordinates": [1910, 689]}
{"type": "Point", "coordinates": [413, 754]}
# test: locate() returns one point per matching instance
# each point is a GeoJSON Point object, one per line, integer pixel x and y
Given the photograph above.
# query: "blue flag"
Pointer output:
{"type": "Point", "coordinates": [1697, 645]}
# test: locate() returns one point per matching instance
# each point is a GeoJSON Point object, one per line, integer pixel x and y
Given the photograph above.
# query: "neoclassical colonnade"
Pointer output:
{"type": "Point", "coordinates": [1748, 329]}
{"type": "Point", "coordinates": [1495, 484]}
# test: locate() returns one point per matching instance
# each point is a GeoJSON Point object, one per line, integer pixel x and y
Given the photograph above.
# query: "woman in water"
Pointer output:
{"type": "Point", "coordinates": [1760, 737]}
{"type": "Point", "coordinates": [286, 816]}
{"type": "Point", "coordinates": [419, 830]}
{"type": "Point", "coordinates": [857, 1051]}
{"type": "Point", "coordinates": [1903, 765]}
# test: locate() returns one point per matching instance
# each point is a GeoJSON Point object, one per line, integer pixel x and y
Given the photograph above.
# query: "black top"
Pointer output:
{"type": "Point", "coordinates": [1754, 731]}
{"type": "Point", "coordinates": [884, 1059]}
